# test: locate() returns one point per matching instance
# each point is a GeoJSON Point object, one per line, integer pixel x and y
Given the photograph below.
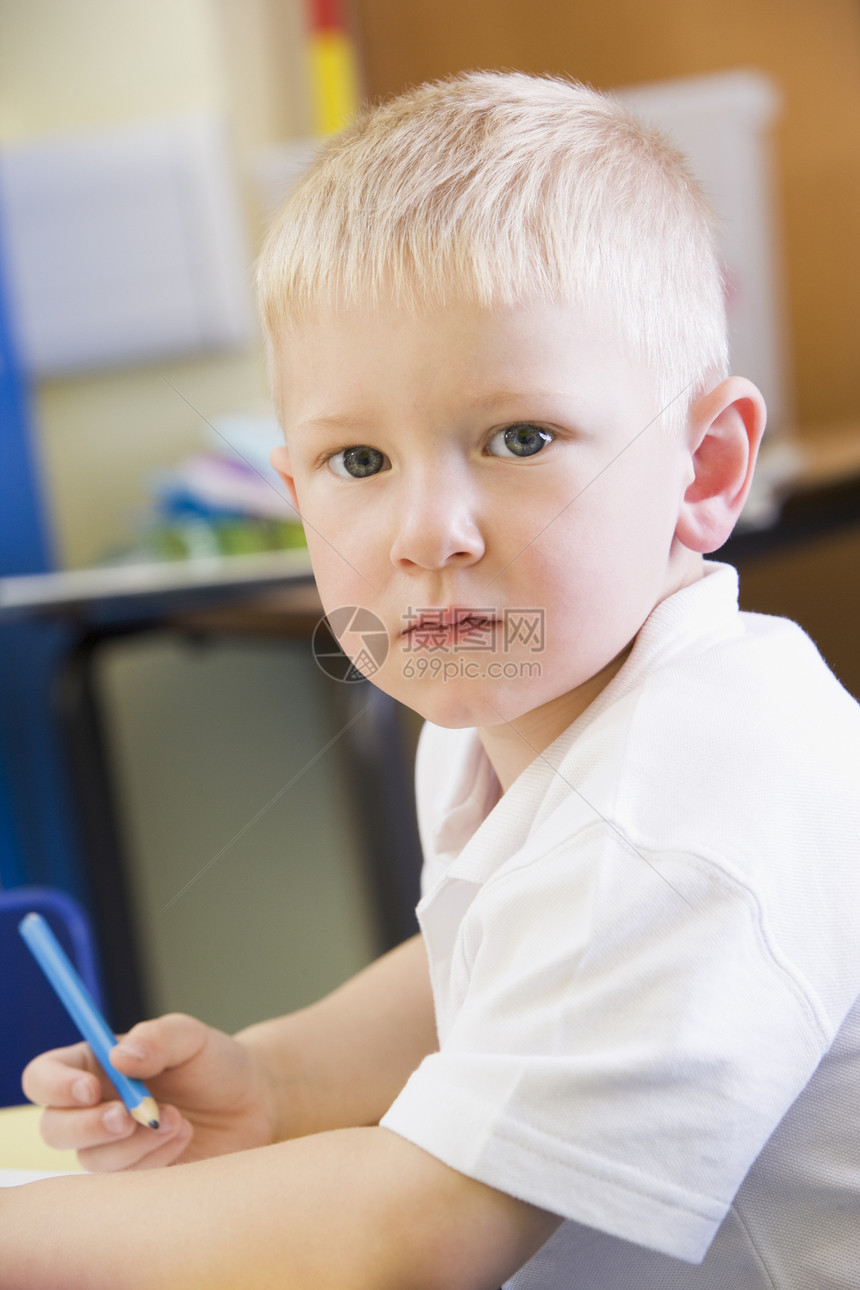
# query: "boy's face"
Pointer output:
{"type": "Point", "coordinates": [487, 483]}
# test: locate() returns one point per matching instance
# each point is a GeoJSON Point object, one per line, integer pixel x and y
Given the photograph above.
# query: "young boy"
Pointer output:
{"type": "Point", "coordinates": [625, 1051]}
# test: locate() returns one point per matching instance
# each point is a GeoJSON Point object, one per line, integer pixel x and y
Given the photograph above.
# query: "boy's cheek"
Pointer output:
{"type": "Point", "coordinates": [337, 567]}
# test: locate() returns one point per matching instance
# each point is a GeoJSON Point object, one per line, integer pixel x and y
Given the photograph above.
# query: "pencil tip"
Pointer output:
{"type": "Point", "coordinates": [146, 1113]}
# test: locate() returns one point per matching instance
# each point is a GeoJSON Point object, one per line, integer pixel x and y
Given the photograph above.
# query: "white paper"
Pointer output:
{"type": "Point", "coordinates": [15, 1177]}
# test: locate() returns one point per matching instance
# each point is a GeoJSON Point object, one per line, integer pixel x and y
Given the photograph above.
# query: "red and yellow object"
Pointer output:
{"type": "Point", "coordinates": [333, 67]}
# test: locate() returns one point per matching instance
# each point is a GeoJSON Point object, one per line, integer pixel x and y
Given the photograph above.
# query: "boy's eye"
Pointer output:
{"type": "Point", "coordinates": [522, 440]}
{"type": "Point", "coordinates": [357, 462]}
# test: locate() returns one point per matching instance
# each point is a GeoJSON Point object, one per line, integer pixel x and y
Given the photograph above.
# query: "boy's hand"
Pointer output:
{"type": "Point", "coordinates": [211, 1092]}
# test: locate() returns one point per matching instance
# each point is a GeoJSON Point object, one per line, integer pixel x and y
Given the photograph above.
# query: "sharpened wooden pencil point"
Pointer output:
{"type": "Point", "coordinates": [146, 1112]}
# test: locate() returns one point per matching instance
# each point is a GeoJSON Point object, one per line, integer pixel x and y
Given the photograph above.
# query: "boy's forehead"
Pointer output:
{"type": "Point", "coordinates": [517, 347]}
{"type": "Point", "coordinates": [361, 369]}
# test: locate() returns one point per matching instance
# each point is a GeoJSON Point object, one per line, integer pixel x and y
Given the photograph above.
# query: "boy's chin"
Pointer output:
{"type": "Point", "coordinates": [450, 715]}
{"type": "Point", "coordinates": [454, 708]}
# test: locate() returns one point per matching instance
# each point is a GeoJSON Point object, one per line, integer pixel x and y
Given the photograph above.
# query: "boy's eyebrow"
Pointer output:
{"type": "Point", "coordinates": [563, 406]}
{"type": "Point", "coordinates": [519, 396]}
{"type": "Point", "coordinates": [335, 421]}
{"type": "Point", "coordinates": [348, 421]}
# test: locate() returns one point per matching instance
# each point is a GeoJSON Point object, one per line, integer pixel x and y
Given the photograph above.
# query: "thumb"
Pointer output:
{"type": "Point", "coordinates": [151, 1047]}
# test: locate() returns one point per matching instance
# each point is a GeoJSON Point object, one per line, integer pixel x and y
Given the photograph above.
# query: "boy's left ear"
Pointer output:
{"type": "Point", "coordinates": [724, 430]}
{"type": "Point", "coordinates": [280, 459]}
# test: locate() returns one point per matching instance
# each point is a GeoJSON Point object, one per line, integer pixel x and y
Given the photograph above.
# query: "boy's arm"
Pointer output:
{"type": "Point", "coordinates": [356, 1208]}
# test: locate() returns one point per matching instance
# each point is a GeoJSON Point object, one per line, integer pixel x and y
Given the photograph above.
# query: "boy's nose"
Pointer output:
{"type": "Point", "coordinates": [436, 526]}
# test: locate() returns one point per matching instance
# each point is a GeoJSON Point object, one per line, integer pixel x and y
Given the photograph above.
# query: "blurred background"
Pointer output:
{"type": "Point", "coordinates": [171, 753]}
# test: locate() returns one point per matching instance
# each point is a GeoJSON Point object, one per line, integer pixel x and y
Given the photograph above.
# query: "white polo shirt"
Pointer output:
{"type": "Point", "coordinates": [645, 960]}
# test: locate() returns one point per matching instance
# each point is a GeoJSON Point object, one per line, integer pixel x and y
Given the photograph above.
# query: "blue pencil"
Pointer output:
{"type": "Point", "coordinates": [79, 1004]}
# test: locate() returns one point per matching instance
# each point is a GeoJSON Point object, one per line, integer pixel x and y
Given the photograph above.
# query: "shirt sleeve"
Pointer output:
{"type": "Point", "coordinates": [622, 1037]}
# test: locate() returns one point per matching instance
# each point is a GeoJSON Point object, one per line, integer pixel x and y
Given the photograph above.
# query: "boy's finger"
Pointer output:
{"type": "Point", "coordinates": [144, 1149]}
{"type": "Point", "coordinates": [66, 1130]}
{"type": "Point", "coordinates": [63, 1077]}
{"type": "Point", "coordinates": [107, 1125]}
{"type": "Point", "coordinates": [155, 1046]}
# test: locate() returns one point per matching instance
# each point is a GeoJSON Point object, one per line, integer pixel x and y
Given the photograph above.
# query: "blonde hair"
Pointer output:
{"type": "Point", "coordinates": [498, 188]}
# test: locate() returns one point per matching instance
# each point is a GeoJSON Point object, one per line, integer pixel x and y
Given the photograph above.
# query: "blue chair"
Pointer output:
{"type": "Point", "coordinates": [32, 1019]}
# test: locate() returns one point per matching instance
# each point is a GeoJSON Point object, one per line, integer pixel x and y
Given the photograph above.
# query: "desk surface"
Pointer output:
{"type": "Point", "coordinates": [178, 582]}
{"type": "Point", "coordinates": [21, 1146]}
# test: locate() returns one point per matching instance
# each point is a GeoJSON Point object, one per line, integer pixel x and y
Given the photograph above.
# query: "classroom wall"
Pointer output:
{"type": "Point", "coordinates": [81, 65]}
{"type": "Point", "coordinates": [811, 49]}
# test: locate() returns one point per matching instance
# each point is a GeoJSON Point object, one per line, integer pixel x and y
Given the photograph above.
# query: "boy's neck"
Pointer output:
{"type": "Point", "coordinates": [513, 745]}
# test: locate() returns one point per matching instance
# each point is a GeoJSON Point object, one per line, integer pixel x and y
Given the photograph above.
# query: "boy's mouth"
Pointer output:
{"type": "Point", "coordinates": [437, 626]}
